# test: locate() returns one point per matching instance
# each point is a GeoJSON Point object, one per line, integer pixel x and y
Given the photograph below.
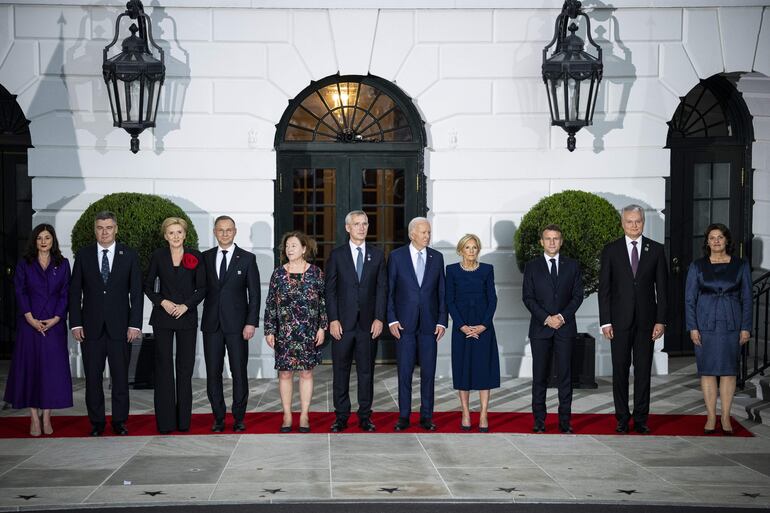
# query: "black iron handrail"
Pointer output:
{"type": "Point", "coordinates": [754, 356]}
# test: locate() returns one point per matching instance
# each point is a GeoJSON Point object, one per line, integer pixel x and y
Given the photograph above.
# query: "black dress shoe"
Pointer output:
{"type": "Point", "coordinates": [402, 424]}
{"type": "Point", "coordinates": [97, 430]}
{"type": "Point", "coordinates": [539, 427]}
{"type": "Point", "coordinates": [566, 429]}
{"type": "Point", "coordinates": [164, 431]}
{"type": "Point", "coordinates": [239, 426]}
{"type": "Point", "coordinates": [367, 425]}
{"type": "Point", "coordinates": [463, 427]}
{"type": "Point", "coordinates": [622, 427]}
{"type": "Point", "coordinates": [427, 424]}
{"type": "Point", "coordinates": [304, 429]}
{"type": "Point", "coordinates": [120, 429]}
{"type": "Point", "coordinates": [218, 426]}
{"type": "Point", "coordinates": [642, 429]}
{"type": "Point", "coordinates": [709, 431]}
{"type": "Point", "coordinates": [338, 426]}
{"type": "Point", "coordinates": [285, 429]}
{"type": "Point", "coordinates": [183, 430]}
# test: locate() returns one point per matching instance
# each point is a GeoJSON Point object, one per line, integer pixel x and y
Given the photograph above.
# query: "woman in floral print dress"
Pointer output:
{"type": "Point", "coordinates": [295, 320]}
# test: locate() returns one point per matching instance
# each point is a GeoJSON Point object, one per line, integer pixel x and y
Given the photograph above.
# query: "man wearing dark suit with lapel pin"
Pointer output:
{"type": "Point", "coordinates": [632, 313]}
{"type": "Point", "coordinates": [105, 310]}
{"type": "Point", "coordinates": [356, 295]}
{"type": "Point", "coordinates": [417, 318]}
{"type": "Point", "coordinates": [552, 292]}
{"type": "Point", "coordinates": [230, 318]}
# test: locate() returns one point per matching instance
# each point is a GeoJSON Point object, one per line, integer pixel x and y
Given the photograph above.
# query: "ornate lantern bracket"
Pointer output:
{"type": "Point", "coordinates": [570, 74]}
{"type": "Point", "coordinates": [134, 76]}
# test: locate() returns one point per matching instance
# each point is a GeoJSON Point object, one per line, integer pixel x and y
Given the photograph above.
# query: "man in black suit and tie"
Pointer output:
{"type": "Point", "coordinates": [105, 310]}
{"type": "Point", "coordinates": [230, 318]}
{"type": "Point", "coordinates": [632, 313]}
{"type": "Point", "coordinates": [356, 295]}
{"type": "Point", "coordinates": [552, 292]}
{"type": "Point", "coordinates": [417, 318]}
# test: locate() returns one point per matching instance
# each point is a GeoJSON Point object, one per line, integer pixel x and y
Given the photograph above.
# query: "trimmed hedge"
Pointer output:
{"type": "Point", "coordinates": [588, 222]}
{"type": "Point", "coordinates": [139, 219]}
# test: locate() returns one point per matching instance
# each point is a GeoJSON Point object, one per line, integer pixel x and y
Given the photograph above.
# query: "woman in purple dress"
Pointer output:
{"type": "Point", "coordinates": [39, 378]}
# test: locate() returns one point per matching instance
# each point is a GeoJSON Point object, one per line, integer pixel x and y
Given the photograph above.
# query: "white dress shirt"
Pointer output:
{"type": "Point", "coordinates": [110, 255]}
{"type": "Point", "coordinates": [548, 261]}
{"type": "Point", "coordinates": [230, 250]}
{"type": "Point", "coordinates": [354, 250]}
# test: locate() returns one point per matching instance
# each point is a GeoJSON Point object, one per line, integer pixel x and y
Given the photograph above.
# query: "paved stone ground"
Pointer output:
{"type": "Point", "coordinates": [161, 470]}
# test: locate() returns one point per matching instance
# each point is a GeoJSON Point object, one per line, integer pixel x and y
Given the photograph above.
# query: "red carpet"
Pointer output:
{"type": "Point", "coordinates": [446, 421]}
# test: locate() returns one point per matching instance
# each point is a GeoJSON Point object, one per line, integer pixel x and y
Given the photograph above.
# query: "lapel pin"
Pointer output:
{"type": "Point", "coordinates": [239, 271]}
{"type": "Point", "coordinates": [120, 252]}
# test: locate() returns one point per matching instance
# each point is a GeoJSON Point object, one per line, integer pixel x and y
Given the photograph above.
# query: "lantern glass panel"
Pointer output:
{"type": "Point", "coordinates": [114, 107]}
{"type": "Point", "coordinates": [128, 99]}
{"type": "Point", "coordinates": [152, 101]}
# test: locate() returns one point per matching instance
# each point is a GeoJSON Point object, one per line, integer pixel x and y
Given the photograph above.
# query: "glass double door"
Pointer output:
{"type": "Point", "coordinates": [706, 186]}
{"type": "Point", "coordinates": [314, 193]}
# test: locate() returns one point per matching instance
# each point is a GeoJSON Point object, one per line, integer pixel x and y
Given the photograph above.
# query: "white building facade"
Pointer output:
{"type": "Point", "coordinates": [472, 72]}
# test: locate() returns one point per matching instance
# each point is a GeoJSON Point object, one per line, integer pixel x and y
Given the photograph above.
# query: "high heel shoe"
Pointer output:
{"type": "Point", "coordinates": [707, 431]}
{"type": "Point", "coordinates": [285, 429]}
{"type": "Point", "coordinates": [464, 427]}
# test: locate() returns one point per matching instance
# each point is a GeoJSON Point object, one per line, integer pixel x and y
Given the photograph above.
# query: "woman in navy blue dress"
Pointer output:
{"type": "Point", "coordinates": [39, 377]}
{"type": "Point", "coordinates": [718, 316]}
{"type": "Point", "coordinates": [471, 301]}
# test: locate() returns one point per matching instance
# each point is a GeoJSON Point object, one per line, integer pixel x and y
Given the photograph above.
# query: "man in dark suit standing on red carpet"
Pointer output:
{"type": "Point", "coordinates": [230, 318]}
{"type": "Point", "coordinates": [552, 292]}
{"type": "Point", "coordinates": [356, 294]}
{"type": "Point", "coordinates": [105, 310]}
{"type": "Point", "coordinates": [417, 318]}
{"type": "Point", "coordinates": [632, 313]}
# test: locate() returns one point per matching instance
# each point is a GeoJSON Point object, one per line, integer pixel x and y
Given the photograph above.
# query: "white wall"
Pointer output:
{"type": "Point", "coordinates": [474, 74]}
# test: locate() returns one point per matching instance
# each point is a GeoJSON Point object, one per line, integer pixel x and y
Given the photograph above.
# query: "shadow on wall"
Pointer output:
{"type": "Point", "coordinates": [619, 74]}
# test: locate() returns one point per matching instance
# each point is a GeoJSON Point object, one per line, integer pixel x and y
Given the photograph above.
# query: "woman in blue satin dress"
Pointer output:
{"type": "Point", "coordinates": [471, 301]}
{"type": "Point", "coordinates": [718, 316]}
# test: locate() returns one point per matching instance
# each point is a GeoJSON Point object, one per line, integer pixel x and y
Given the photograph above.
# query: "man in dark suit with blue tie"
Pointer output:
{"type": "Point", "coordinates": [552, 292]}
{"type": "Point", "coordinates": [417, 318]}
{"type": "Point", "coordinates": [356, 293]}
{"type": "Point", "coordinates": [230, 318]}
{"type": "Point", "coordinates": [105, 310]}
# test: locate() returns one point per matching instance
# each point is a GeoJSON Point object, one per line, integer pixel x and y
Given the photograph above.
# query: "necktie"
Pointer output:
{"type": "Point", "coordinates": [554, 274]}
{"type": "Point", "coordinates": [634, 257]}
{"type": "Point", "coordinates": [105, 265]}
{"type": "Point", "coordinates": [420, 267]}
{"type": "Point", "coordinates": [223, 267]}
{"type": "Point", "coordinates": [359, 263]}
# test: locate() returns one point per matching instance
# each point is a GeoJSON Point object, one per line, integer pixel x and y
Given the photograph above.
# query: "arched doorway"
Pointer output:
{"type": "Point", "coordinates": [347, 143]}
{"type": "Point", "coordinates": [710, 138]}
{"type": "Point", "coordinates": [344, 143]}
{"type": "Point", "coordinates": [15, 208]}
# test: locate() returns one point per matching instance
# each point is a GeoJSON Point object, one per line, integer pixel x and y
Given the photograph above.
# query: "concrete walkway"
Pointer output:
{"type": "Point", "coordinates": [49, 472]}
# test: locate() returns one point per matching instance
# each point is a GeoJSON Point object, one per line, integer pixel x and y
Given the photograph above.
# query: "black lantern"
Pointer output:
{"type": "Point", "coordinates": [134, 77]}
{"type": "Point", "coordinates": [570, 74]}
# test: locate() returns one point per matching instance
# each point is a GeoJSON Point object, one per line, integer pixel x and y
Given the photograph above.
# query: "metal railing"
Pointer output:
{"type": "Point", "coordinates": [754, 356]}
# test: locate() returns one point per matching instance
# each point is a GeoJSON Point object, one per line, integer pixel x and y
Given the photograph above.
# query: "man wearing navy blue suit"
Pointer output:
{"type": "Point", "coordinates": [356, 293]}
{"type": "Point", "coordinates": [417, 318]}
{"type": "Point", "coordinates": [552, 292]}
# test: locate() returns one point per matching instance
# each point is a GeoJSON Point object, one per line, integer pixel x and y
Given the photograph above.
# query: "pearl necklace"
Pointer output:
{"type": "Point", "coordinates": [469, 270]}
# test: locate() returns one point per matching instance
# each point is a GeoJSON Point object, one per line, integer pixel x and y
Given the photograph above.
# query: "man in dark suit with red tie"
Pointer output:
{"type": "Point", "coordinates": [417, 318]}
{"type": "Point", "coordinates": [632, 313]}
{"type": "Point", "coordinates": [356, 294]}
{"type": "Point", "coordinates": [230, 318]}
{"type": "Point", "coordinates": [552, 292]}
{"type": "Point", "coordinates": [105, 311]}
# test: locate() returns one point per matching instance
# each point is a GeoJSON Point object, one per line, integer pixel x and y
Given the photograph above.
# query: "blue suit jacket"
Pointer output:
{"type": "Point", "coordinates": [417, 308]}
{"type": "Point", "coordinates": [543, 298]}
{"type": "Point", "coordinates": [710, 296]}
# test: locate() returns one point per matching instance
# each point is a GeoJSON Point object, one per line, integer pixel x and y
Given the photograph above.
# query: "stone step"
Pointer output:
{"type": "Point", "coordinates": [754, 400]}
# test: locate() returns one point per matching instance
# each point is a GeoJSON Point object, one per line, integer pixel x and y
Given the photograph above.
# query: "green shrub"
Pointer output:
{"type": "Point", "coordinates": [588, 222]}
{"type": "Point", "coordinates": [139, 219]}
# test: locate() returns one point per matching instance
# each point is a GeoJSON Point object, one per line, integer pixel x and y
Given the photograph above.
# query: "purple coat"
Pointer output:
{"type": "Point", "coordinates": [40, 374]}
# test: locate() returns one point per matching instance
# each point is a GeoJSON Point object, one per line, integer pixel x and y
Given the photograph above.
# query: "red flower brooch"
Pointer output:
{"type": "Point", "coordinates": [189, 261]}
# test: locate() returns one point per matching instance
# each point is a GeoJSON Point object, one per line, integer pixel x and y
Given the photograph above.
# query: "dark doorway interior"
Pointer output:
{"type": "Point", "coordinates": [15, 209]}
{"type": "Point", "coordinates": [710, 138]}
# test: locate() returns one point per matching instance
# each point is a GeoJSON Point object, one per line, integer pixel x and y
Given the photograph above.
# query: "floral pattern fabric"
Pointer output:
{"type": "Point", "coordinates": [294, 312]}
